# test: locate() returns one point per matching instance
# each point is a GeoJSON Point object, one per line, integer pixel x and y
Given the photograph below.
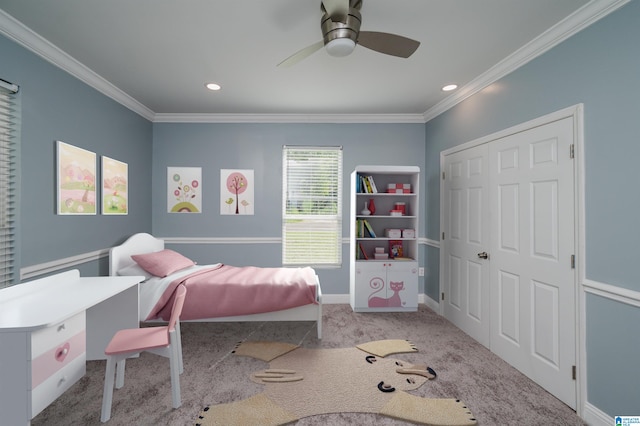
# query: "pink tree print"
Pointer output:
{"type": "Point", "coordinates": [237, 184]}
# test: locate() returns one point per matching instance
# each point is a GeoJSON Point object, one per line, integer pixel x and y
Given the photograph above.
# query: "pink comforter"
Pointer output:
{"type": "Point", "coordinates": [230, 291]}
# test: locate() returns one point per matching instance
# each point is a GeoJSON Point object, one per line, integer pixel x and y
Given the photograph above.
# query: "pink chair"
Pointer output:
{"type": "Point", "coordinates": [164, 341]}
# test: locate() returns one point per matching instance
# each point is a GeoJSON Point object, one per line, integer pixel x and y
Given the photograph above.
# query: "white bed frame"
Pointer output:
{"type": "Point", "coordinates": [120, 257]}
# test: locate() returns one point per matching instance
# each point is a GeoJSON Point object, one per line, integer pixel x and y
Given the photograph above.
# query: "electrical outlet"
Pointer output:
{"type": "Point", "coordinates": [421, 271]}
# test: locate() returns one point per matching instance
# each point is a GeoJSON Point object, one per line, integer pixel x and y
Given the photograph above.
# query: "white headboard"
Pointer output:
{"type": "Point", "coordinates": [120, 256]}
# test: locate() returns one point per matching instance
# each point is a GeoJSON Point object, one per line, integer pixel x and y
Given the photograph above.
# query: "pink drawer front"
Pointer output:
{"type": "Point", "coordinates": [56, 358]}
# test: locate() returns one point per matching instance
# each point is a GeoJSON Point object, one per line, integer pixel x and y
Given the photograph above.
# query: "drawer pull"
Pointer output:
{"type": "Point", "coordinates": [62, 352]}
{"type": "Point", "coordinates": [61, 327]}
{"type": "Point", "coordinates": [62, 381]}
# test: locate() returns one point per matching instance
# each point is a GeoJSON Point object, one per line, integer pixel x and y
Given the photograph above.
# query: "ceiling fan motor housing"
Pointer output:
{"type": "Point", "coordinates": [342, 30]}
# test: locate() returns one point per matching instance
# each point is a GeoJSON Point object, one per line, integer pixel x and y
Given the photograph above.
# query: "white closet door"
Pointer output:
{"type": "Point", "coordinates": [466, 228]}
{"type": "Point", "coordinates": [532, 243]}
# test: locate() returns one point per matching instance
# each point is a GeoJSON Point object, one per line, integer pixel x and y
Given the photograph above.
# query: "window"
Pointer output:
{"type": "Point", "coordinates": [8, 181]}
{"type": "Point", "coordinates": [312, 206]}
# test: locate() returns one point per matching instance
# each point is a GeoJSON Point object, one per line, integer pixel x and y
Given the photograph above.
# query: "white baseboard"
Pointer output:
{"type": "Point", "coordinates": [595, 417]}
{"type": "Point", "coordinates": [433, 304]}
{"type": "Point", "coordinates": [335, 299]}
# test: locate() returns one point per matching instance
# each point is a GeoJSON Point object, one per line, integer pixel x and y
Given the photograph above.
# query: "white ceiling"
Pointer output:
{"type": "Point", "coordinates": [156, 55]}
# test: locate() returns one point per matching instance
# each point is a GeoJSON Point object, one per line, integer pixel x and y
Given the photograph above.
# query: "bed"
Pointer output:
{"type": "Point", "coordinates": [156, 290]}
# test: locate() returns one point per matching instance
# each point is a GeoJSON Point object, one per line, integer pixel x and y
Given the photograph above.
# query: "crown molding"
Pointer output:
{"type": "Point", "coordinates": [577, 21]}
{"type": "Point", "coordinates": [289, 118]}
{"type": "Point", "coordinates": [582, 18]}
{"type": "Point", "coordinates": [16, 31]}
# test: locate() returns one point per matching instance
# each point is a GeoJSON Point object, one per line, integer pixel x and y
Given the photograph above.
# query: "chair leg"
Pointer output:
{"type": "Point", "coordinates": [120, 366]}
{"type": "Point", "coordinates": [107, 394]}
{"type": "Point", "coordinates": [178, 335]}
{"type": "Point", "coordinates": [174, 366]}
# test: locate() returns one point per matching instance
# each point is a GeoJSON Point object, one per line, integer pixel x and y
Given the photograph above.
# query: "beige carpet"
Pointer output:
{"type": "Point", "coordinates": [495, 392]}
{"type": "Point", "coordinates": [302, 382]}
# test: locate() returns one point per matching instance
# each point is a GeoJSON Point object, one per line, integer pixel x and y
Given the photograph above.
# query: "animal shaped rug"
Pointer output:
{"type": "Point", "coordinates": [304, 382]}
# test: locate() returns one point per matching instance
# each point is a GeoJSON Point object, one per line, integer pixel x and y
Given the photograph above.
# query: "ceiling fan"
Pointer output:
{"type": "Point", "coordinates": [340, 25]}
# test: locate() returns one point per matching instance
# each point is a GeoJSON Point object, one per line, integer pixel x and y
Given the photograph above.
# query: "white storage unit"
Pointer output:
{"type": "Point", "coordinates": [385, 282]}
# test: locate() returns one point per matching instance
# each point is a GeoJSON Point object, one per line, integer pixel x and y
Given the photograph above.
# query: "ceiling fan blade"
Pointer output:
{"type": "Point", "coordinates": [337, 9]}
{"type": "Point", "coordinates": [390, 44]}
{"type": "Point", "coordinates": [301, 54]}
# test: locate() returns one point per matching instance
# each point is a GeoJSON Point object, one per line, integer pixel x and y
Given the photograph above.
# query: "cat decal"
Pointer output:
{"type": "Point", "coordinates": [395, 301]}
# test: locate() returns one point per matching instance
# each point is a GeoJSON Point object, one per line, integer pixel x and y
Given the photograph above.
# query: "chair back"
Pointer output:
{"type": "Point", "coordinates": [178, 303]}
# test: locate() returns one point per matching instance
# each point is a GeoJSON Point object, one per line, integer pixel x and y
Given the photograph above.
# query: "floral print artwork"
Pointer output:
{"type": "Point", "coordinates": [184, 192]}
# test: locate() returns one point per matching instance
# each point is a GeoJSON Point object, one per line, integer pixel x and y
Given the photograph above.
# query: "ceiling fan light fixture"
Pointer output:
{"type": "Point", "coordinates": [340, 47]}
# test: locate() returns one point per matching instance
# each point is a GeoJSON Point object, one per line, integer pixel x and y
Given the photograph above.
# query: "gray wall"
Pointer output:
{"type": "Point", "coordinates": [259, 147]}
{"type": "Point", "coordinates": [57, 106]}
{"type": "Point", "coordinates": [599, 67]}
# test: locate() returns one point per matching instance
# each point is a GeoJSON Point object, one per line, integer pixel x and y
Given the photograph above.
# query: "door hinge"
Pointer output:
{"type": "Point", "coordinates": [573, 372]}
{"type": "Point", "coordinates": [442, 296]}
{"type": "Point", "coordinates": [443, 235]}
{"type": "Point", "coordinates": [573, 261]}
{"type": "Point", "coordinates": [572, 152]}
{"type": "Point", "coordinates": [442, 175]}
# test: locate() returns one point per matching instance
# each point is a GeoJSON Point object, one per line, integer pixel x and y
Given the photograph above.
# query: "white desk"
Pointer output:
{"type": "Point", "coordinates": [49, 328]}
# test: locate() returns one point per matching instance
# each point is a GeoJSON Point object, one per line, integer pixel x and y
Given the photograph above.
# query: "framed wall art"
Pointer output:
{"type": "Point", "coordinates": [115, 186]}
{"type": "Point", "coordinates": [184, 192]}
{"type": "Point", "coordinates": [236, 192]}
{"type": "Point", "coordinates": [76, 180]}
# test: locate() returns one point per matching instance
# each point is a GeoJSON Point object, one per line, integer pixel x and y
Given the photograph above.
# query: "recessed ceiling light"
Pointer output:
{"type": "Point", "coordinates": [449, 87]}
{"type": "Point", "coordinates": [212, 86]}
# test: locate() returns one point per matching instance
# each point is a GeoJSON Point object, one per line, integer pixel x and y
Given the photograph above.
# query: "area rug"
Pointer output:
{"type": "Point", "coordinates": [304, 382]}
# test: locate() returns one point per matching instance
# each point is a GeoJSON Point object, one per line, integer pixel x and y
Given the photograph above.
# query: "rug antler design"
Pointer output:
{"type": "Point", "coordinates": [304, 382]}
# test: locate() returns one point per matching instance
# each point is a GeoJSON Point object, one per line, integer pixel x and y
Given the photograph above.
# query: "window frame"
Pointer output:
{"type": "Point", "coordinates": [319, 216]}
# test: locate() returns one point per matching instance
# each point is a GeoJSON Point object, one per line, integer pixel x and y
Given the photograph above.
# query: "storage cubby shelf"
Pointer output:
{"type": "Point", "coordinates": [391, 284]}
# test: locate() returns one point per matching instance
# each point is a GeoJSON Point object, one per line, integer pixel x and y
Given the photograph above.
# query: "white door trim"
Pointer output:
{"type": "Point", "coordinates": [576, 112]}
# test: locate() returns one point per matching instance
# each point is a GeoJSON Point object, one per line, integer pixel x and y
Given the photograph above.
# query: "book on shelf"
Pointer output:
{"type": "Point", "coordinates": [361, 229]}
{"type": "Point", "coordinates": [363, 254]}
{"type": "Point", "coordinates": [372, 184]}
{"type": "Point", "coordinates": [369, 229]}
{"type": "Point", "coordinates": [395, 249]}
{"type": "Point", "coordinates": [366, 184]}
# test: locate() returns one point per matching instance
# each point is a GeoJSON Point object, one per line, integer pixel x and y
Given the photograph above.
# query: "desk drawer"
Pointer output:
{"type": "Point", "coordinates": [58, 357]}
{"type": "Point", "coordinates": [58, 383]}
{"type": "Point", "coordinates": [45, 339]}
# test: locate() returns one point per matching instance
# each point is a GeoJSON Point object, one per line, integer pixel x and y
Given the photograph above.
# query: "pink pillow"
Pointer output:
{"type": "Point", "coordinates": [162, 263]}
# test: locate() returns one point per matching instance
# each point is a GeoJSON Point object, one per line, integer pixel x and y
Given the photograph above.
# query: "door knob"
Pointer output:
{"type": "Point", "coordinates": [483, 255]}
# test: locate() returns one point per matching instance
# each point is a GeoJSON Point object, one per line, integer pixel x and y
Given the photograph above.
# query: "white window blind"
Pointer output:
{"type": "Point", "coordinates": [8, 182]}
{"type": "Point", "coordinates": [312, 206]}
